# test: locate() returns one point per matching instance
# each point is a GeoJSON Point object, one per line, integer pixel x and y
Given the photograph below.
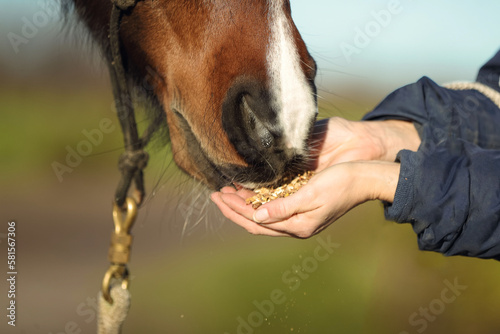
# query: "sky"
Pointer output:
{"type": "Point", "coordinates": [385, 43]}
{"type": "Point", "coordinates": [443, 39]}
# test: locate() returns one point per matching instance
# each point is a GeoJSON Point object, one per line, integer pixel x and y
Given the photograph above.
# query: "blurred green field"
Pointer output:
{"type": "Point", "coordinates": [209, 275]}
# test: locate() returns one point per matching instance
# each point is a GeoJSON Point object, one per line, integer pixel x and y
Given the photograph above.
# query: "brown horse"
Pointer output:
{"type": "Point", "coordinates": [233, 77]}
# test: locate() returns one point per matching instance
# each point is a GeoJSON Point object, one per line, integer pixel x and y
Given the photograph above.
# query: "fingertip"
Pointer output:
{"type": "Point", "coordinates": [216, 197]}
{"type": "Point", "coordinates": [228, 190]}
{"type": "Point", "coordinates": [277, 210]}
{"type": "Point", "coordinates": [261, 215]}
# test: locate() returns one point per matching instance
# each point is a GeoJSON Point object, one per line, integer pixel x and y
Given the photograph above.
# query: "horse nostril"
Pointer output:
{"type": "Point", "coordinates": [267, 140]}
{"type": "Point", "coordinates": [256, 126]}
{"type": "Point", "coordinates": [251, 123]}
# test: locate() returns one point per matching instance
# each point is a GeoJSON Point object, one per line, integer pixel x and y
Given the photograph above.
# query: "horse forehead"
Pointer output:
{"type": "Point", "coordinates": [248, 9]}
{"type": "Point", "coordinates": [212, 18]}
{"type": "Point", "coordinates": [238, 4]}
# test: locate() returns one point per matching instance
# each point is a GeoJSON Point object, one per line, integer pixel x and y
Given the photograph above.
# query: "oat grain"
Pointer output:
{"type": "Point", "coordinates": [264, 195]}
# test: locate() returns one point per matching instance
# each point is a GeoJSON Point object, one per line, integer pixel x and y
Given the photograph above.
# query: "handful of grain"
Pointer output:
{"type": "Point", "coordinates": [265, 195]}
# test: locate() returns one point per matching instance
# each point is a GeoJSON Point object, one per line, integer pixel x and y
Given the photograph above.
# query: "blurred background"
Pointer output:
{"type": "Point", "coordinates": [192, 270]}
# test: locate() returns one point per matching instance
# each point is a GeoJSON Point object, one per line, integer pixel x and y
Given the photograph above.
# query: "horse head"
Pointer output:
{"type": "Point", "coordinates": [233, 77]}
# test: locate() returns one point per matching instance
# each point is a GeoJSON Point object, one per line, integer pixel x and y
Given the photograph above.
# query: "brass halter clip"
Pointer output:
{"type": "Point", "coordinates": [119, 250]}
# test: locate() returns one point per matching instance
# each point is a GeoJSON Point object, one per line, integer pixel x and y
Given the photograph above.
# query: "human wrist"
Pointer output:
{"type": "Point", "coordinates": [370, 135]}
{"type": "Point", "coordinates": [376, 180]}
{"type": "Point", "coordinates": [392, 136]}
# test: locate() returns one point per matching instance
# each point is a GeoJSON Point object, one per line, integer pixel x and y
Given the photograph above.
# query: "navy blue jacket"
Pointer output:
{"type": "Point", "coordinates": [449, 190]}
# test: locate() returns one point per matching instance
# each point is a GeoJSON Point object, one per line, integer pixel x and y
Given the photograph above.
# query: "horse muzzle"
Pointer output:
{"type": "Point", "coordinates": [251, 120]}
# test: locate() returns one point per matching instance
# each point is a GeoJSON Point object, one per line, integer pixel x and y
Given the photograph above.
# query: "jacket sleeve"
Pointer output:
{"type": "Point", "coordinates": [449, 190]}
{"type": "Point", "coordinates": [466, 114]}
{"type": "Point", "coordinates": [450, 193]}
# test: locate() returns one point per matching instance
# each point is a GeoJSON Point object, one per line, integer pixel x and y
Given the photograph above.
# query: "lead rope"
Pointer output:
{"type": "Point", "coordinates": [114, 297]}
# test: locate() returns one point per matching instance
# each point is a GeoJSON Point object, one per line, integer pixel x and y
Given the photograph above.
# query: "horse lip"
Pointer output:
{"type": "Point", "coordinates": [238, 185]}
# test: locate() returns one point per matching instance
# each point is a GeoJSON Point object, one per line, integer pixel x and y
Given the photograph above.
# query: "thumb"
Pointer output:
{"type": "Point", "coordinates": [277, 210]}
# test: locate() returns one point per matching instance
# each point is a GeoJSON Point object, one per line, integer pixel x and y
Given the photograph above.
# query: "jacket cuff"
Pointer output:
{"type": "Point", "coordinates": [400, 208]}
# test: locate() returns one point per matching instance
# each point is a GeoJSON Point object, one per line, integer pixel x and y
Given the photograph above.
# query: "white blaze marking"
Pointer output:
{"type": "Point", "coordinates": [292, 96]}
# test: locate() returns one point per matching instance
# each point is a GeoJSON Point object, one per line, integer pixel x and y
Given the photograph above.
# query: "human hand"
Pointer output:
{"type": "Point", "coordinates": [328, 196]}
{"type": "Point", "coordinates": [337, 140]}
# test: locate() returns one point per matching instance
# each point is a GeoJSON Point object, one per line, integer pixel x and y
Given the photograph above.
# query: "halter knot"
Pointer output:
{"type": "Point", "coordinates": [132, 161]}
